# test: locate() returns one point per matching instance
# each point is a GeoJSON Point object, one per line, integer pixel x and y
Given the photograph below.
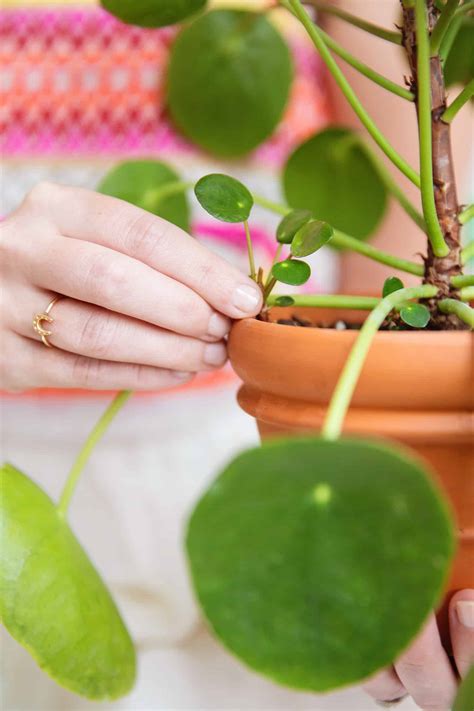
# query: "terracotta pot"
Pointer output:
{"type": "Point", "coordinates": [416, 388]}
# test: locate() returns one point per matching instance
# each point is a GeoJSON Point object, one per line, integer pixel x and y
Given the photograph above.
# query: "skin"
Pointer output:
{"type": "Point", "coordinates": [145, 305]}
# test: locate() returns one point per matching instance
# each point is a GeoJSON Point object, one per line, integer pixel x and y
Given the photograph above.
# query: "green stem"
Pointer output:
{"type": "Point", "coordinates": [440, 248]}
{"type": "Point", "coordinates": [340, 239]}
{"type": "Point", "coordinates": [117, 403]}
{"type": "Point", "coordinates": [366, 70]}
{"type": "Point", "coordinates": [450, 36]}
{"type": "Point", "coordinates": [468, 252]}
{"type": "Point", "coordinates": [381, 32]}
{"type": "Point", "coordinates": [457, 104]}
{"type": "Point", "coordinates": [350, 95]}
{"type": "Point", "coordinates": [152, 197]}
{"type": "Point", "coordinates": [442, 24]}
{"type": "Point", "coordinates": [275, 260]}
{"type": "Point", "coordinates": [333, 301]}
{"type": "Point", "coordinates": [466, 7]}
{"type": "Point", "coordinates": [462, 280]}
{"type": "Point", "coordinates": [253, 273]}
{"type": "Point", "coordinates": [347, 382]}
{"type": "Point", "coordinates": [467, 293]}
{"type": "Point", "coordinates": [462, 311]}
{"type": "Point", "coordinates": [466, 214]}
{"type": "Point", "coordinates": [272, 206]}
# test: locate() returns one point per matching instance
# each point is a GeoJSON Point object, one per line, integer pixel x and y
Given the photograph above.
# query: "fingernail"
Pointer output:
{"type": "Point", "coordinates": [219, 326]}
{"type": "Point", "coordinates": [215, 354]}
{"type": "Point", "coordinates": [465, 612]}
{"type": "Point", "coordinates": [181, 374]}
{"type": "Point", "coordinates": [247, 298]}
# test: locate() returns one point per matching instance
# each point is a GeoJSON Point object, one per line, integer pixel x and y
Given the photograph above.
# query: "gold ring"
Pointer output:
{"type": "Point", "coordinates": [44, 316]}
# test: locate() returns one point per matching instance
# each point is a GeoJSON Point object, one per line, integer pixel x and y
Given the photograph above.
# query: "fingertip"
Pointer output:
{"type": "Point", "coordinates": [247, 300]}
{"type": "Point", "coordinates": [461, 608]}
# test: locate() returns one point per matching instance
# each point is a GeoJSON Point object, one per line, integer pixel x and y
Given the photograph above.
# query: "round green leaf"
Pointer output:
{"type": "Point", "coordinates": [415, 315]}
{"type": "Point", "coordinates": [311, 237]}
{"type": "Point", "coordinates": [224, 198]}
{"type": "Point", "coordinates": [292, 271]}
{"type": "Point", "coordinates": [390, 285]}
{"type": "Point", "coordinates": [284, 301]}
{"type": "Point", "coordinates": [53, 601]}
{"type": "Point", "coordinates": [152, 13]}
{"type": "Point", "coordinates": [229, 79]}
{"type": "Point", "coordinates": [317, 562]}
{"type": "Point", "coordinates": [459, 65]}
{"type": "Point", "coordinates": [148, 184]}
{"type": "Point", "coordinates": [332, 175]}
{"type": "Point", "coordinates": [290, 225]}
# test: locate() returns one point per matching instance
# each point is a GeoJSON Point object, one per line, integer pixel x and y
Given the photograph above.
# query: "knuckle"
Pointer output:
{"type": "Point", "coordinates": [86, 372]}
{"type": "Point", "coordinates": [105, 279]}
{"type": "Point", "coordinates": [41, 194]}
{"type": "Point", "coordinates": [97, 334]}
{"type": "Point", "coordinates": [144, 235]}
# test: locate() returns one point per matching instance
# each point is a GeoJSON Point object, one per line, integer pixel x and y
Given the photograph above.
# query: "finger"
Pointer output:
{"type": "Point", "coordinates": [426, 672]}
{"type": "Point", "coordinates": [461, 624]}
{"type": "Point", "coordinates": [91, 331]}
{"type": "Point", "coordinates": [97, 275]}
{"type": "Point", "coordinates": [52, 368]}
{"type": "Point", "coordinates": [113, 223]}
{"type": "Point", "coordinates": [385, 686]}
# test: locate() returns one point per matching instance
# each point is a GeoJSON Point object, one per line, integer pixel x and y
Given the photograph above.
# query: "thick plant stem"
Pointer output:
{"type": "Point", "coordinates": [438, 270]}
{"type": "Point", "coordinates": [347, 382]}
{"type": "Point", "coordinates": [332, 301]}
{"type": "Point", "coordinates": [389, 35]}
{"type": "Point", "coordinates": [462, 280]}
{"type": "Point", "coordinates": [463, 311]}
{"type": "Point", "coordinates": [272, 206]}
{"type": "Point", "coordinates": [442, 25]}
{"type": "Point", "coordinates": [349, 93]}
{"type": "Point", "coordinates": [438, 244]}
{"type": "Point", "coordinates": [99, 430]}
{"type": "Point", "coordinates": [463, 97]}
{"type": "Point", "coordinates": [367, 71]}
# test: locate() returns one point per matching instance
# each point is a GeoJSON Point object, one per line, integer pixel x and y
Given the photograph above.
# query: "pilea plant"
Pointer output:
{"type": "Point", "coordinates": [304, 550]}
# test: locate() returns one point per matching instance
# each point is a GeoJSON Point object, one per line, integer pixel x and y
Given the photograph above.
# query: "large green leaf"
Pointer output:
{"type": "Point", "coordinates": [147, 184]}
{"type": "Point", "coordinates": [332, 175]}
{"type": "Point", "coordinates": [317, 562]}
{"type": "Point", "coordinates": [224, 197]}
{"type": "Point", "coordinates": [229, 79]}
{"type": "Point", "coordinates": [152, 13]}
{"type": "Point", "coordinates": [459, 66]}
{"type": "Point", "coordinates": [53, 601]}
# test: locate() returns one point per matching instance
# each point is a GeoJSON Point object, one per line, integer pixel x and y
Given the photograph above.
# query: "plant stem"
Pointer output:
{"type": "Point", "coordinates": [366, 70]}
{"type": "Point", "coordinates": [442, 25]}
{"type": "Point", "coordinates": [347, 382]}
{"type": "Point", "coordinates": [272, 206]}
{"type": "Point", "coordinates": [253, 273]}
{"type": "Point", "coordinates": [462, 280]}
{"type": "Point", "coordinates": [450, 36]}
{"type": "Point", "coordinates": [334, 301]}
{"type": "Point", "coordinates": [162, 192]}
{"type": "Point", "coordinates": [466, 7]}
{"type": "Point", "coordinates": [339, 239]}
{"type": "Point", "coordinates": [83, 457]}
{"type": "Point", "coordinates": [381, 32]}
{"type": "Point", "coordinates": [468, 252]}
{"type": "Point", "coordinates": [467, 293]}
{"type": "Point", "coordinates": [350, 95]}
{"type": "Point", "coordinates": [440, 248]}
{"type": "Point", "coordinates": [275, 260]}
{"type": "Point", "coordinates": [457, 104]}
{"type": "Point", "coordinates": [466, 214]}
{"type": "Point", "coordinates": [459, 309]}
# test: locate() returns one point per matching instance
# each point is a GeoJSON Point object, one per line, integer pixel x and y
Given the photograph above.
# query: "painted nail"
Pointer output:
{"type": "Point", "coordinates": [215, 354]}
{"type": "Point", "coordinates": [465, 612]}
{"type": "Point", "coordinates": [247, 298]}
{"type": "Point", "coordinates": [219, 326]}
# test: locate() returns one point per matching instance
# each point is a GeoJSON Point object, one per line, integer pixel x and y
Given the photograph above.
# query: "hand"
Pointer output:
{"type": "Point", "coordinates": [146, 305]}
{"type": "Point", "coordinates": [424, 671]}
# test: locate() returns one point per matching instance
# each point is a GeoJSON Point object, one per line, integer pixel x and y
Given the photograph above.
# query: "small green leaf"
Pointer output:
{"type": "Point", "coordinates": [53, 601]}
{"type": "Point", "coordinates": [224, 198]}
{"type": "Point", "coordinates": [292, 271]}
{"type": "Point", "coordinates": [415, 315]}
{"type": "Point", "coordinates": [229, 79]}
{"type": "Point", "coordinates": [332, 175]}
{"type": "Point", "coordinates": [290, 225]}
{"type": "Point", "coordinates": [390, 285]}
{"type": "Point", "coordinates": [152, 13]}
{"type": "Point", "coordinates": [145, 183]}
{"type": "Point", "coordinates": [284, 301]}
{"type": "Point", "coordinates": [465, 697]}
{"type": "Point", "coordinates": [311, 237]}
{"type": "Point", "coordinates": [299, 552]}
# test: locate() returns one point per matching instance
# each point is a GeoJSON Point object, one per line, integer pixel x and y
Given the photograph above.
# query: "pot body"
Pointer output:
{"type": "Point", "coordinates": [416, 388]}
